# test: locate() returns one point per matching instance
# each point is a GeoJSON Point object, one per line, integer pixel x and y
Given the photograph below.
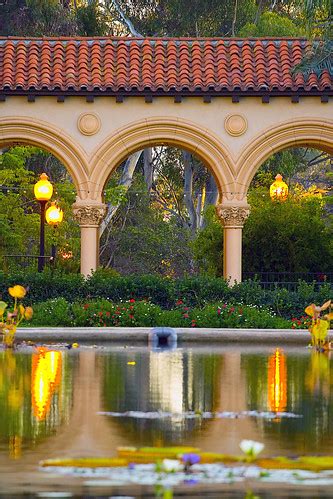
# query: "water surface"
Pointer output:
{"type": "Point", "coordinates": [57, 403]}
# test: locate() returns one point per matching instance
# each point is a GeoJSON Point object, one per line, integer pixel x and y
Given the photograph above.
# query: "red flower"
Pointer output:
{"type": "Point", "coordinates": [186, 316]}
{"type": "Point", "coordinates": [132, 300]}
{"type": "Point", "coordinates": [85, 306]}
{"type": "Point", "coordinates": [219, 311]}
{"type": "Point", "coordinates": [131, 316]}
{"type": "Point", "coordinates": [179, 302]}
{"type": "Point", "coordinates": [231, 309]}
{"type": "Point", "coordinates": [100, 313]}
{"type": "Point", "coordinates": [186, 308]}
{"type": "Point", "coordinates": [107, 314]}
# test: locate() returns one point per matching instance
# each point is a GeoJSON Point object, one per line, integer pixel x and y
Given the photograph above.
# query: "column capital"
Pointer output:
{"type": "Point", "coordinates": [233, 216]}
{"type": "Point", "coordinates": [89, 214]}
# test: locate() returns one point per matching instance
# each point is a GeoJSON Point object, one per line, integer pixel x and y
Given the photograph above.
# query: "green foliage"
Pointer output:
{"type": "Point", "coordinates": [271, 24]}
{"type": "Point", "coordinates": [208, 245]}
{"type": "Point", "coordinates": [132, 313]}
{"type": "Point", "coordinates": [166, 293]}
{"type": "Point", "coordinates": [52, 313]}
{"type": "Point", "coordinates": [302, 240]}
{"type": "Point", "coordinates": [90, 19]}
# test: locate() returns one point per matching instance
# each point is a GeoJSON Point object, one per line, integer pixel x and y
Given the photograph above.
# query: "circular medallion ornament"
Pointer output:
{"type": "Point", "coordinates": [235, 124]}
{"type": "Point", "coordinates": [89, 123]}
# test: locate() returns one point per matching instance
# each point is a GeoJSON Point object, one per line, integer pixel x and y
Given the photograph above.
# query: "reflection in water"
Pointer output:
{"type": "Point", "coordinates": [318, 376]}
{"type": "Point", "coordinates": [173, 382]}
{"type": "Point", "coordinates": [46, 379]}
{"type": "Point", "coordinates": [277, 382]}
{"type": "Point", "coordinates": [35, 397]}
{"type": "Point", "coordinates": [166, 372]}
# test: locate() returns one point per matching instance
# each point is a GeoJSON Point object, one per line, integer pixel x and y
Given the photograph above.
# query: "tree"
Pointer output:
{"type": "Point", "coordinates": [20, 167]}
{"type": "Point", "coordinates": [302, 237]}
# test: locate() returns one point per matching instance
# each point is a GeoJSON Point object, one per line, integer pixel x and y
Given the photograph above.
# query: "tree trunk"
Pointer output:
{"type": "Point", "coordinates": [234, 19]}
{"type": "Point", "coordinates": [148, 168]}
{"type": "Point", "coordinates": [211, 197]}
{"type": "Point", "coordinates": [188, 191]}
{"type": "Point", "coordinates": [126, 181]}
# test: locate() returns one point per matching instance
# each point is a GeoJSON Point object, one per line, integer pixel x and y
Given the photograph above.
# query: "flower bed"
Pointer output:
{"type": "Point", "coordinates": [142, 313]}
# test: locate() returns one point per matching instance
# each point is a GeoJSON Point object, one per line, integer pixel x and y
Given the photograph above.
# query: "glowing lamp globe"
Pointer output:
{"type": "Point", "coordinates": [54, 214]}
{"type": "Point", "coordinates": [43, 189]}
{"type": "Point", "coordinates": [278, 190]}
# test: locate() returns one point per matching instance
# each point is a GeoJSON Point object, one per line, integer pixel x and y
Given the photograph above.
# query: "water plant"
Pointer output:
{"type": "Point", "coordinates": [251, 448]}
{"type": "Point", "coordinates": [11, 318]}
{"type": "Point", "coordinates": [319, 326]}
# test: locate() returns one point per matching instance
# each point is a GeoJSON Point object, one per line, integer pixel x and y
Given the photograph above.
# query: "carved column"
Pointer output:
{"type": "Point", "coordinates": [232, 218]}
{"type": "Point", "coordinates": [89, 217]}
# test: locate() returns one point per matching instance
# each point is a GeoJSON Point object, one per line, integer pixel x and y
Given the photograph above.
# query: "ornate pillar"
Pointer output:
{"type": "Point", "coordinates": [89, 217]}
{"type": "Point", "coordinates": [232, 217]}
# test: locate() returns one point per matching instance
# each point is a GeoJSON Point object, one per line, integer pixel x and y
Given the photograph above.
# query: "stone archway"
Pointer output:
{"type": "Point", "coordinates": [181, 133]}
{"type": "Point", "coordinates": [309, 132]}
{"type": "Point", "coordinates": [211, 97]}
{"type": "Point", "coordinates": [41, 134]}
{"type": "Point", "coordinates": [161, 131]}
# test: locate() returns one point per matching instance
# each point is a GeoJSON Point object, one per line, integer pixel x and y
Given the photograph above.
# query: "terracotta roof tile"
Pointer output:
{"type": "Point", "coordinates": [155, 65]}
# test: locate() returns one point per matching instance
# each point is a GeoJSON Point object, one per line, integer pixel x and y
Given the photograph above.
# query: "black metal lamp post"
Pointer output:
{"type": "Point", "coordinates": [54, 216]}
{"type": "Point", "coordinates": [43, 190]}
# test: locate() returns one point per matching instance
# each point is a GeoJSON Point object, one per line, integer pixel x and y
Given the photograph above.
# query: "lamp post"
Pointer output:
{"type": "Point", "coordinates": [54, 216]}
{"type": "Point", "coordinates": [278, 190]}
{"type": "Point", "coordinates": [43, 190]}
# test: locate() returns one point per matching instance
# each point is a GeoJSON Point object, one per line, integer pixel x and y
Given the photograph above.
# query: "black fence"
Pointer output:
{"type": "Point", "coordinates": [289, 280]}
{"type": "Point", "coordinates": [26, 262]}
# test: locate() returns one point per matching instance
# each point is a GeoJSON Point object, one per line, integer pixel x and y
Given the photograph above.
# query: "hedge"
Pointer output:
{"type": "Point", "coordinates": [164, 292]}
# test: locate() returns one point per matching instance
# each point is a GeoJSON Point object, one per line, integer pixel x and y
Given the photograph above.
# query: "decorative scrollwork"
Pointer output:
{"type": "Point", "coordinates": [89, 215]}
{"type": "Point", "coordinates": [232, 216]}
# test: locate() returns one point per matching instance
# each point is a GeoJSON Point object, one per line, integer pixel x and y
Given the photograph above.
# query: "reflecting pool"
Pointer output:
{"type": "Point", "coordinates": [89, 401]}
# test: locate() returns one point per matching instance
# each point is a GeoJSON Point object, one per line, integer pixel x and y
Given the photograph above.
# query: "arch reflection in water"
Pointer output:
{"type": "Point", "coordinates": [277, 382]}
{"type": "Point", "coordinates": [46, 379]}
{"type": "Point", "coordinates": [170, 382]}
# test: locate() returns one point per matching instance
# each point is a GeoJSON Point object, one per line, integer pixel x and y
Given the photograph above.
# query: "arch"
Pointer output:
{"type": "Point", "coordinates": [159, 131]}
{"type": "Point", "coordinates": [309, 132]}
{"type": "Point", "coordinates": [42, 134]}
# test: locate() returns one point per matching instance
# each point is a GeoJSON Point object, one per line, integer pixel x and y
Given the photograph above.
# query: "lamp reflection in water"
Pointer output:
{"type": "Point", "coordinates": [46, 378]}
{"type": "Point", "coordinates": [277, 382]}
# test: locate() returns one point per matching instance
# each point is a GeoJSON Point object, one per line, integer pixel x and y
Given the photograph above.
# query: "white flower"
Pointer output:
{"type": "Point", "coordinates": [251, 448]}
{"type": "Point", "coordinates": [171, 465]}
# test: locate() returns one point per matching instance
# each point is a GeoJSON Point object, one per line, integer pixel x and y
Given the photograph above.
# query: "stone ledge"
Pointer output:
{"type": "Point", "coordinates": [188, 335]}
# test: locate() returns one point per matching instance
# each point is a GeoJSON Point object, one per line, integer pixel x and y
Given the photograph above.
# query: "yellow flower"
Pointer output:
{"type": "Point", "coordinates": [17, 291]}
{"type": "Point", "coordinates": [28, 313]}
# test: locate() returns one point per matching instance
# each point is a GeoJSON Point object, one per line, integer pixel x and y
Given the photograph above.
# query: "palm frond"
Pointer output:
{"type": "Point", "coordinates": [319, 59]}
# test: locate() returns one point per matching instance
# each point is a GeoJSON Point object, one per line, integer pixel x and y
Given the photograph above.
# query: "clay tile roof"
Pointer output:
{"type": "Point", "coordinates": [160, 66]}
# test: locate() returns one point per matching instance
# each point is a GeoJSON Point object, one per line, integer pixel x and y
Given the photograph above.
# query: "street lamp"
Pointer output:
{"type": "Point", "coordinates": [43, 190]}
{"type": "Point", "coordinates": [54, 216]}
{"type": "Point", "coordinates": [278, 190]}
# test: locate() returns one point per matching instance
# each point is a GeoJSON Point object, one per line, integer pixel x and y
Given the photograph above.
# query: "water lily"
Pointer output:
{"type": "Point", "coordinates": [251, 448]}
{"type": "Point", "coordinates": [190, 459]}
{"type": "Point", "coordinates": [171, 465]}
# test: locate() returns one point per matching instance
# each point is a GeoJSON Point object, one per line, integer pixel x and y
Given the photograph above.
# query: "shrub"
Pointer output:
{"type": "Point", "coordinates": [132, 313]}
{"type": "Point", "coordinates": [102, 313]}
{"type": "Point", "coordinates": [193, 291]}
{"type": "Point", "coordinates": [54, 312]}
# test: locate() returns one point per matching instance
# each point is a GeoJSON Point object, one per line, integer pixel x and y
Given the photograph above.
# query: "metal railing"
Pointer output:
{"type": "Point", "coordinates": [289, 280]}
{"type": "Point", "coordinates": [25, 262]}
